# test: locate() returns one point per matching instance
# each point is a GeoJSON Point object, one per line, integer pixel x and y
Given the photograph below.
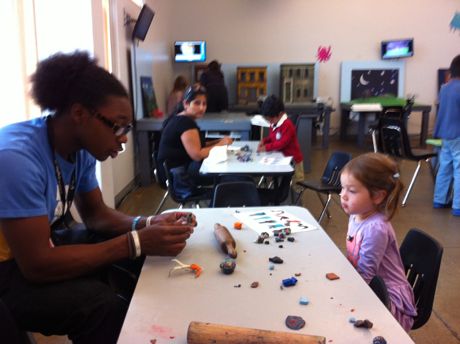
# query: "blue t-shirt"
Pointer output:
{"type": "Point", "coordinates": [28, 181]}
{"type": "Point", "coordinates": [448, 119]}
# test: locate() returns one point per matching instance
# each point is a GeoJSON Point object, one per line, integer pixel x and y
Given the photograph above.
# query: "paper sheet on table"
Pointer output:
{"type": "Point", "coordinates": [260, 121]}
{"type": "Point", "coordinates": [233, 148]}
{"type": "Point", "coordinates": [371, 107]}
{"type": "Point", "coordinates": [217, 154]}
{"type": "Point", "coordinates": [269, 160]}
{"type": "Point", "coordinates": [271, 220]}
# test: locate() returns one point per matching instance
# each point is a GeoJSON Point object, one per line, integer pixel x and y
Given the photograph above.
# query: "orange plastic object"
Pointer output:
{"type": "Point", "coordinates": [197, 269]}
{"type": "Point", "coordinates": [238, 225]}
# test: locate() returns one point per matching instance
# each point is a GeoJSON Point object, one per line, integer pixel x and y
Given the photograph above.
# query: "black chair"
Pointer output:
{"type": "Point", "coordinates": [329, 183]}
{"type": "Point", "coordinates": [421, 255]}
{"type": "Point", "coordinates": [390, 136]}
{"type": "Point", "coordinates": [201, 194]}
{"type": "Point", "coordinates": [379, 287]}
{"type": "Point", "coordinates": [162, 185]}
{"type": "Point", "coordinates": [236, 194]}
{"type": "Point", "coordinates": [9, 330]}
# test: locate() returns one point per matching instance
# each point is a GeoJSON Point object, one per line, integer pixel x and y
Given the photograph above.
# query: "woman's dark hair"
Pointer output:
{"type": "Point", "coordinates": [272, 106]}
{"type": "Point", "coordinates": [214, 65]}
{"type": "Point", "coordinates": [180, 83]}
{"type": "Point", "coordinates": [190, 94]}
{"type": "Point", "coordinates": [62, 80]}
{"type": "Point", "coordinates": [455, 67]}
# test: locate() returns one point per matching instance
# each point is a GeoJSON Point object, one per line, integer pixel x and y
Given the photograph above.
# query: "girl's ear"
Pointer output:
{"type": "Point", "coordinates": [378, 196]}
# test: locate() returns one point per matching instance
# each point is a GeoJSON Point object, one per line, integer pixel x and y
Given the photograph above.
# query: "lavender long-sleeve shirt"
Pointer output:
{"type": "Point", "coordinates": [373, 250]}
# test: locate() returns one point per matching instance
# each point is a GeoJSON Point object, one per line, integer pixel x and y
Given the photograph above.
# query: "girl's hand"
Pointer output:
{"type": "Point", "coordinates": [261, 148]}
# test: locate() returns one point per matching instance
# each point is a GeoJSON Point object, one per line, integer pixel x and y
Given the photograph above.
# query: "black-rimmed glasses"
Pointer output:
{"type": "Point", "coordinates": [117, 129]}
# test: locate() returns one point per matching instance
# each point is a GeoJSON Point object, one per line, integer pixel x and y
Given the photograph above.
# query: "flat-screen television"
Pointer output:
{"type": "Point", "coordinates": [190, 51]}
{"type": "Point", "coordinates": [397, 48]}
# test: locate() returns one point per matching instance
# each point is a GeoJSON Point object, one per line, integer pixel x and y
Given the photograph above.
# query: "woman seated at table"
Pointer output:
{"type": "Point", "coordinates": [181, 143]}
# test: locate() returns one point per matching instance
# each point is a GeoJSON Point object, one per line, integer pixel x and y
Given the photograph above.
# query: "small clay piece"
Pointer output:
{"type": "Point", "coordinates": [297, 274]}
{"type": "Point", "coordinates": [332, 276]}
{"type": "Point", "coordinates": [289, 282]}
{"type": "Point", "coordinates": [265, 235]}
{"type": "Point", "coordinates": [287, 231]}
{"type": "Point", "coordinates": [379, 340]}
{"type": "Point", "coordinates": [294, 322]}
{"type": "Point", "coordinates": [237, 286]}
{"type": "Point", "coordinates": [228, 266]}
{"type": "Point", "coordinates": [237, 225]}
{"type": "Point", "coordinates": [225, 240]}
{"type": "Point", "coordinates": [153, 341]}
{"type": "Point", "coordinates": [276, 232]}
{"type": "Point", "coordinates": [266, 242]}
{"type": "Point", "coordinates": [279, 239]}
{"type": "Point", "coordinates": [276, 260]}
{"type": "Point", "coordinates": [291, 239]}
{"type": "Point", "coordinates": [281, 236]}
{"type": "Point", "coordinates": [280, 246]}
{"type": "Point", "coordinates": [254, 284]}
{"type": "Point", "coordinates": [260, 240]}
{"type": "Point", "coordinates": [189, 218]}
{"type": "Point", "coordinates": [304, 301]}
{"type": "Point", "coordinates": [364, 324]}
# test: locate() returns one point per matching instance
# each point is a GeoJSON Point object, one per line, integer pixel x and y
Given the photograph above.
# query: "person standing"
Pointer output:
{"type": "Point", "coordinates": [447, 128]}
{"type": "Point", "coordinates": [213, 80]}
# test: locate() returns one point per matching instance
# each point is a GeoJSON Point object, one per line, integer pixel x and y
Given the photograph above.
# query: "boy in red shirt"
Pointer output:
{"type": "Point", "coordinates": [282, 136]}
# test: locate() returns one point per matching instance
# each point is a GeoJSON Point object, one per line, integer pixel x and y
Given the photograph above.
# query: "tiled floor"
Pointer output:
{"type": "Point", "coordinates": [444, 324]}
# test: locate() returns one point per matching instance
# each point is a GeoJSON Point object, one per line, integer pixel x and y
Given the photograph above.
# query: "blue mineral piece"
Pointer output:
{"type": "Point", "coordinates": [304, 301]}
{"type": "Point", "coordinates": [228, 266]}
{"type": "Point", "coordinates": [289, 282]}
{"type": "Point", "coordinates": [352, 320]}
{"type": "Point", "coordinates": [271, 266]}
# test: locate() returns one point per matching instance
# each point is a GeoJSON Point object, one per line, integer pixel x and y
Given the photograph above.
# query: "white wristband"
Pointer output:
{"type": "Point", "coordinates": [148, 221]}
{"type": "Point", "coordinates": [137, 243]}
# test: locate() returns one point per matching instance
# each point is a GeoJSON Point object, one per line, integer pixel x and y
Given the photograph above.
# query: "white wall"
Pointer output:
{"type": "Point", "coordinates": [290, 31]}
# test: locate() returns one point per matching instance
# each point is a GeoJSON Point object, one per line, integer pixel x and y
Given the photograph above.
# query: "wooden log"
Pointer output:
{"type": "Point", "coordinates": [225, 240]}
{"type": "Point", "coordinates": [206, 333]}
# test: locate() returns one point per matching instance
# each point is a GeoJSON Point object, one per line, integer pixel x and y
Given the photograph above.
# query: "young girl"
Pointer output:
{"type": "Point", "coordinates": [370, 194]}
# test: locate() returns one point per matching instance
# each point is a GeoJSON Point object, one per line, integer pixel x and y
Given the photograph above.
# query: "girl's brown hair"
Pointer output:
{"type": "Point", "coordinates": [377, 172]}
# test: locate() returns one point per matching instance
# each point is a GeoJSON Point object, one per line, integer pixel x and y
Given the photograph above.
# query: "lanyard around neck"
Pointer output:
{"type": "Point", "coordinates": [66, 199]}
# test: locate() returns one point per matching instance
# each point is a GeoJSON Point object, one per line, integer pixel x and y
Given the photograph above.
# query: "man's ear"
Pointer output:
{"type": "Point", "coordinates": [79, 113]}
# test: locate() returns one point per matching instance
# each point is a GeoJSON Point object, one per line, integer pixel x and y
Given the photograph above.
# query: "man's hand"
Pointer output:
{"type": "Point", "coordinates": [175, 218]}
{"type": "Point", "coordinates": [164, 240]}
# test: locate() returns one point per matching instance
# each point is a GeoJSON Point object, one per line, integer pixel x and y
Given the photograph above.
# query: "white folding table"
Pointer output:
{"type": "Point", "coordinates": [163, 307]}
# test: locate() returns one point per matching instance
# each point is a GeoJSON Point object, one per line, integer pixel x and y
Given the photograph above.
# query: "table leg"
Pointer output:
{"type": "Point", "coordinates": [326, 127]}
{"type": "Point", "coordinates": [304, 127]}
{"type": "Point", "coordinates": [344, 120]}
{"type": "Point", "coordinates": [361, 128]}
{"type": "Point", "coordinates": [424, 129]}
{"type": "Point", "coordinates": [145, 159]}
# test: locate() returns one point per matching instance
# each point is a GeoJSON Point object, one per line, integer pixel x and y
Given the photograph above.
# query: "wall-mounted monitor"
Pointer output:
{"type": "Point", "coordinates": [143, 23]}
{"type": "Point", "coordinates": [397, 48]}
{"type": "Point", "coordinates": [190, 51]}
